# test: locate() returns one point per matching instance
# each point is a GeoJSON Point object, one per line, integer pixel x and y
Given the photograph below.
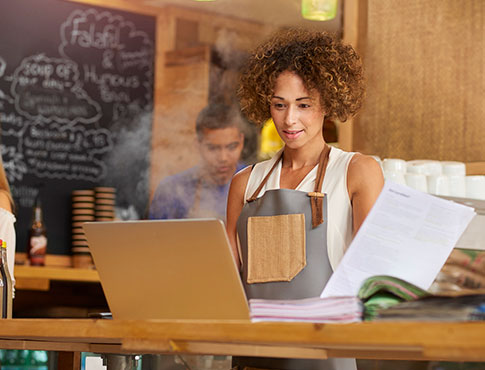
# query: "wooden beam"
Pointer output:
{"type": "Point", "coordinates": [187, 56]}
{"type": "Point", "coordinates": [216, 20]}
{"type": "Point", "coordinates": [45, 345]}
{"type": "Point", "coordinates": [126, 5]}
{"type": "Point", "coordinates": [69, 360]}
{"type": "Point", "coordinates": [217, 348]}
{"type": "Point", "coordinates": [354, 33]}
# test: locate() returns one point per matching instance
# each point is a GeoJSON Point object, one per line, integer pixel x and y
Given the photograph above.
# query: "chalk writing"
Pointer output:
{"type": "Point", "coordinates": [25, 194]}
{"type": "Point", "coordinates": [65, 152]}
{"type": "Point", "coordinates": [15, 167]}
{"type": "Point", "coordinates": [47, 89]}
{"type": "Point", "coordinates": [120, 61]}
{"type": "Point", "coordinates": [3, 65]}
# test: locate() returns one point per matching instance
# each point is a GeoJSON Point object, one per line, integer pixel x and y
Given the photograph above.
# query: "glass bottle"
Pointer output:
{"type": "Point", "coordinates": [7, 293]}
{"type": "Point", "coordinates": [37, 237]}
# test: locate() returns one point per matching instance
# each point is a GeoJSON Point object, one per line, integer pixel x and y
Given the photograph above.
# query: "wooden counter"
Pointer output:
{"type": "Point", "coordinates": [51, 291]}
{"type": "Point", "coordinates": [40, 277]}
{"type": "Point", "coordinates": [405, 341]}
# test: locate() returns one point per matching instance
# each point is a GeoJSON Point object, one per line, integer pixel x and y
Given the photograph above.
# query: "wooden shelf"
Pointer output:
{"type": "Point", "coordinates": [39, 277]}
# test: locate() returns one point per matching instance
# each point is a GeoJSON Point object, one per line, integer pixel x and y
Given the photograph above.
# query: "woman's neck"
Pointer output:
{"type": "Point", "coordinates": [306, 156]}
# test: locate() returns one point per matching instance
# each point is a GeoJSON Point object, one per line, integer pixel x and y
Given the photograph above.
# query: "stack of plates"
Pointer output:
{"type": "Point", "coordinates": [105, 203]}
{"type": "Point", "coordinates": [83, 210]}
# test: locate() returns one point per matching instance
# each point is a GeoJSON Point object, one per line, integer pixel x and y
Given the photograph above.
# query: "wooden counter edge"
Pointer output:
{"type": "Point", "coordinates": [55, 273]}
{"type": "Point", "coordinates": [380, 340]}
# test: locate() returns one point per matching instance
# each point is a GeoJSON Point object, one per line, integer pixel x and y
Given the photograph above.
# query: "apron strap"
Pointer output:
{"type": "Point", "coordinates": [265, 180]}
{"type": "Point", "coordinates": [316, 197]}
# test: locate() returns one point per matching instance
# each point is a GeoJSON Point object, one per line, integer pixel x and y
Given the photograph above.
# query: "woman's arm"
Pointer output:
{"type": "Point", "coordinates": [364, 183]}
{"type": "Point", "coordinates": [7, 230]}
{"type": "Point", "coordinates": [235, 203]}
{"type": "Point", "coordinates": [5, 201]}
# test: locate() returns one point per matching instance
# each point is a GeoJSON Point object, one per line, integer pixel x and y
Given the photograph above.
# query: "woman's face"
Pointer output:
{"type": "Point", "coordinates": [296, 112]}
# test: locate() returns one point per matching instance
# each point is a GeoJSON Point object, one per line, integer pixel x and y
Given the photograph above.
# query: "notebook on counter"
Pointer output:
{"type": "Point", "coordinates": [167, 269]}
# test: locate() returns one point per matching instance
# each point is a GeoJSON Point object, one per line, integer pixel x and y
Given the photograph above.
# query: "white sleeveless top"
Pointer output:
{"type": "Point", "coordinates": [7, 233]}
{"type": "Point", "coordinates": [339, 208]}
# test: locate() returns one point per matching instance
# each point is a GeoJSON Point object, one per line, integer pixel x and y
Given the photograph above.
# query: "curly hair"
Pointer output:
{"type": "Point", "coordinates": [320, 59]}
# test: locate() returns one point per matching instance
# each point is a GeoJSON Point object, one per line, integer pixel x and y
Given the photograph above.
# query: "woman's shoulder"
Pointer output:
{"type": "Point", "coordinates": [241, 177]}
{"type": "Point", "coordinates": [362, 162]}
{"type": "Point", "coordinates": [6, 214]}
{"type": "Point", "coordinates": [364, 171]}
{"type": "Point", "coordinates": [5, 201]}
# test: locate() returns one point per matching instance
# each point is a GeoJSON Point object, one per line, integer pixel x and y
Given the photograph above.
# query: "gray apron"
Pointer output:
{"type": "Point", "coordinates": [311, 280]}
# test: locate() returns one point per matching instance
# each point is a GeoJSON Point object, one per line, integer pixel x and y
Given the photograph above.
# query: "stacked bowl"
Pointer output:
{"type": "Point", "coordinates": [105, 203]}
{"type": "Point", "coordinates": [82, 211]}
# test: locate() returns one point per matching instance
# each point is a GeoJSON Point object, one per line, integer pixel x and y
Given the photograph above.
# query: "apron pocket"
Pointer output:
{"type": "Point", "coordinates": [276, 247]}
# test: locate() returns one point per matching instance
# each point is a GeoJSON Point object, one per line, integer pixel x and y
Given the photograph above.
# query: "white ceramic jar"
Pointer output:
{"type": "Point", "coordinates": [475, 187]}
{"type": "Point", "coordinates": [456, 174]}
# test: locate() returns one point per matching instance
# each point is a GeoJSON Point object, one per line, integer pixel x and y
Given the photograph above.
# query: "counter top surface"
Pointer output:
{"type": "Point", "coordinates": [39, 277]}
{"type": "Point", "coordinates": [56, 273]}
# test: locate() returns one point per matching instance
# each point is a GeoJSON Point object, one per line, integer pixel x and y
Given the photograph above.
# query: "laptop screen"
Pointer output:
{"type": "Point", "coordinates": [167, 269]}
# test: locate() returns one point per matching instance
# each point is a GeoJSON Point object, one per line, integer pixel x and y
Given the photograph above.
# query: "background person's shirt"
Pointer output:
{"type": "Point", "coordinates": [175, 197]}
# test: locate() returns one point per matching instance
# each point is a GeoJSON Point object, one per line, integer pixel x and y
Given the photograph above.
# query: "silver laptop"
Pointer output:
{"type": "Point", "coordinates": [167, 269]}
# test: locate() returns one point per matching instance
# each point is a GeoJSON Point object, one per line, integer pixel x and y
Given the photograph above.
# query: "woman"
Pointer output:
{"type": "Point", "coordinates": [295, 214]}
{"type": "Point", "coordinates": [7, 219]}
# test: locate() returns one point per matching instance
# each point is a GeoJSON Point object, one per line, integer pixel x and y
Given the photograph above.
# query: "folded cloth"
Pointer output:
{"type": "Point", "coordinates": [383, 291]}
{"type": "Point", "coordinates": [437, 308]}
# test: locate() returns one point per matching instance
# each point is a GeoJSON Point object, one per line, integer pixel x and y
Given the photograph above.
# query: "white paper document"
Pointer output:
{"type": "Point", "coordinates": [407, 234]}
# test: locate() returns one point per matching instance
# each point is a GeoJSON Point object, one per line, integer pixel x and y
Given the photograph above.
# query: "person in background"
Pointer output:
{"type": "Point", "coordinates": [302, 207]}
{"type": "Point", "coordinates": [201, 191]}
{"type": "Point", "coordinates": [7, 219]}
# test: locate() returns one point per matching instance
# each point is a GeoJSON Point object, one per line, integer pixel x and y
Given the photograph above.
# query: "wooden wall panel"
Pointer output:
{"type": "Point", "coordinates": [354, 33]}
{"type": "Point", "coordinates": [184, 94]}
{"type": "Point", "coordinates": [425, 62]}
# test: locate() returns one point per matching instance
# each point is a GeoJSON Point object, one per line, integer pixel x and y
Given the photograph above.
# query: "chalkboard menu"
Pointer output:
{"type": "Point", "coordinates": [76, 102]}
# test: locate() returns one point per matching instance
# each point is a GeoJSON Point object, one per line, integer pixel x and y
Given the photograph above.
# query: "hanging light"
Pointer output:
{"type": "Point", "coordinates": [319, 10]}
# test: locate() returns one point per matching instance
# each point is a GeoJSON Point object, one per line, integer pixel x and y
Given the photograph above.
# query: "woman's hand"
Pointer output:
{"type": "Point", "coordinates": [364, 183]}
{"type": "Point", "coordinates": [235, 203]}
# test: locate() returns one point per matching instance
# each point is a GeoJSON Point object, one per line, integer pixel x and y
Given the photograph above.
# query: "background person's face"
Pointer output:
{"type": "Point", "coordinates": [220, 150]}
